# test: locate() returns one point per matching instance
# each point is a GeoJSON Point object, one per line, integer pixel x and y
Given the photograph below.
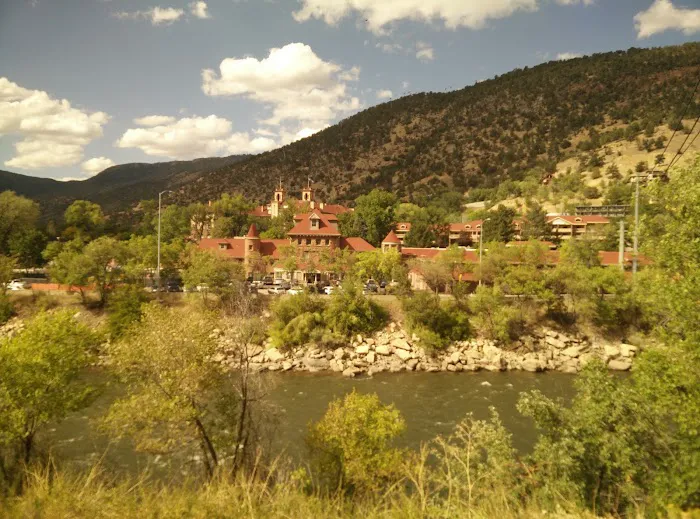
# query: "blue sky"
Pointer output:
{"type": "Point", "coordinates": [89, 83]}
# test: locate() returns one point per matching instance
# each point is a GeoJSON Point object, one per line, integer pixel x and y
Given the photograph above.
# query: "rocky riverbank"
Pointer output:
{"type": "Point", "coordinates": [393, 350]}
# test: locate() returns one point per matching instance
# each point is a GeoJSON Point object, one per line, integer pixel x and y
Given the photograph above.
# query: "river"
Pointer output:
{"type": "Point", "coordinates": [431, 403]}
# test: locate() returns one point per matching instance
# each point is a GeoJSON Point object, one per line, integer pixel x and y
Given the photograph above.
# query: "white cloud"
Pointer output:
{"type": "Point", "coordinates": [53, 133]}
{"type": "Point", "coordinates": [662, 16]}
{"type": "Point", "coordinates": [287, 137]}
{"type": "Point", "coordinates": [405, 85]}
{"type": "Point", "coordinates": [292, 80]}
{"type": "Point", "coordinates": [389, 48]}
{"type": "Point", "coordinates": [379, 14]}
{"type": "Point", "coordinates": [154, 120]}
{"type": "Point", "coordinates": [264, 132]}
{"type": "Point", "coordinates": [350, 75]}
{"type": "Point", "coordinates": [563, 56]}
{"type": "Point", "coordinates": [575, 2]}
{"type": "Point", "coordinates": [384, 94]}
{"type": "Point", "coordinates": [199, 10]}
{"type": "Point", "coordinates": [192, 137]}
{"type": "Point", "coordinates": [424, 51]}
{"type": "Point", "coordinates": [156, 15]}
{"type": "Point", "coordinates": [97, 164]}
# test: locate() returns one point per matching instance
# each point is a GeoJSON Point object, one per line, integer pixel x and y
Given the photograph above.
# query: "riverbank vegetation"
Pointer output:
{"type": "Point", "coordinates": [623, 447]}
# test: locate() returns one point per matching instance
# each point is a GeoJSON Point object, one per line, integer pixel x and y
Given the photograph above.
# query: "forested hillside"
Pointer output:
{"type": "Point", "coordinates": [483, 134]}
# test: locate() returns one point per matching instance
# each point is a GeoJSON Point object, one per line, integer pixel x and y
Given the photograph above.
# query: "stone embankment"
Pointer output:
{"type": "Point", "coordinates": [394, 350]}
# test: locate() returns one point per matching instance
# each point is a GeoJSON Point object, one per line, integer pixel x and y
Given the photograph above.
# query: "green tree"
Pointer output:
{"type": "Point", "coordinates": [349, 311]}
{"type": "Point", "coordinates": [19, 216]}
{"type": "Point", "coordinates": [179, 399]}
{"type": "Point", "coordinates": [211, 271]}
{"type": "Point", "coordinates": [84, 219]}
{"type": "Point", "coordinates": [97, 266]}
{"type": "Point", "coordinates": [7, 271]}
{"type": "Point", "coordinates": [231, 216]}
{"type": "Point", "coordinates": [351, 446]}
{"type": "Point", "coordinates": [374, 215]}
{"type": "Point", "coordinates": [535, 224]}
{"type": "Point", "coordinates": [500, 228]}
{"type": "Point", "coordinates": [41, 381]}
{"type": "Point", "coordinates": [27, 247]}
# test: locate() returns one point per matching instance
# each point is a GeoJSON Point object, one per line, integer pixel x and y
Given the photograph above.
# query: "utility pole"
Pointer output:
{"type": "Point", "coordinates": [158, 268]}
{"type": "Point", "coordinates": [635, 244]}
{"type": "Point", "coordinates": [481, 247]}
{"type": "Point", "coordinates": [621, 255]}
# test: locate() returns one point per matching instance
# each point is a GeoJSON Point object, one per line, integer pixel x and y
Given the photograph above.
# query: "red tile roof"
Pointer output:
{"type": "Point", "coordinates": [261, 211]}
{"type": "Point", "coordinates": [391, 238]}
{"type": "Point", "coordinates": [474, 225]}
{"type": "Point", "coordinates": [402, 226]}
{"type": "Point", "coordinates": [326, 225]}
{"type": "Point", "coordinates": [253, 231]}
{"type": "Point", "coordinates": [272, 247]}
{"type": "Point", "coordinates": [231, 247]}
{"type": "Point", "coordinates": [356, 244]}
{"type": "Point", "coordinates": [584, 220]}
{"type": "Point", "coordinates": [334, 209]}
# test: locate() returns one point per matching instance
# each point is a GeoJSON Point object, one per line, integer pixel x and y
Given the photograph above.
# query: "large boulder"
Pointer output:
{"type": "Point", "coordinates": [316, 363]}
{"type": "Point", "coordinates": [403, 354]}
{"type": "Point", "coordinates": [627, 350]}
{"type": "Point", "coordinates": [610, 351]}
{"type": "Point", "coordinates": [620, 364]}
{"type": "Point", "coordinates": [401, 344]}
{"type": "Point", "coordinates": [362, 349]}
{"type": "Point", "coordinates": [274, 355]}
{"type": "Point", "coordinates": [371, 357]}
{"type": "Point", "coordinates": [555, 342]}
{"type": "Point", "coordinates": [383, 349]}
{"type": "Point", "coordinates": [532, 364]}
{"type": "Point", "coordinates": [455, 357]}
{"type": "Point", "coordinates": [572, 351]}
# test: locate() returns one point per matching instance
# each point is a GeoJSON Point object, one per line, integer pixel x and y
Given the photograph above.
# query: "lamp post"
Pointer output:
{"type": "Point", "coordinates": [481, 246]}
{"type": "Point", "coordinates": [158, 267]}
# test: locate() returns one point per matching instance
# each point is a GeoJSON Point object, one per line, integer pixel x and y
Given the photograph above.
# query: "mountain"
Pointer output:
{"type": "Point", "coordinates": [115, 188]}
{"type": "Point", "coordinates": [477, 137]}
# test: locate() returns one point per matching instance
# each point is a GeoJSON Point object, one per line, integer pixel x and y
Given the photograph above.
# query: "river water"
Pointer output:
{"type": "Point", "coordinates": [431, 403]}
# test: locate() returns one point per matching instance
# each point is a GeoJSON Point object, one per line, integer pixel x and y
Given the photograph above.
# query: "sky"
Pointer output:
{"type": "Point", "coordinates": [85, 84]}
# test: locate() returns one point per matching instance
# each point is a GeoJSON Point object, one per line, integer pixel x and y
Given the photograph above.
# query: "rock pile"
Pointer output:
{"type": "Point", "coordinates": [11, 327]}
{"type": "Point", "coordinates": [393, 350]}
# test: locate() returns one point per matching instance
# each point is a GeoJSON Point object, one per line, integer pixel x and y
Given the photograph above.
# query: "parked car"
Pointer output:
{"type": "Point", "coordinates": [329, 289]}
{"type": "Point", "coordinates": [172, 286]}
{"type": "Point", "coordinates": [18, 284]}
{"type": "Point", "coordinates": [295, 290]}
{"type": "Point", "coordinates": [277, 290]}
{"type": "Point", "coordinates": [371, 287]}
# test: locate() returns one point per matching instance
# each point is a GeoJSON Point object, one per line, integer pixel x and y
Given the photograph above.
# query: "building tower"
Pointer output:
{"type": "Point", "coordinates": [391, 242]}
{"type": "Point", "coordinates": [307, 195]}
{"type": "Point", "coordinates": [278, 201]}
{"type": "Point", "coordinates": [252, 245]}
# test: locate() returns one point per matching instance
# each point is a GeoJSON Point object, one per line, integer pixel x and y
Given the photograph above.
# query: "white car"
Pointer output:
{"type": "Point", "coordinates": [295, 290]}
{"type": "Point", "coordinates": [329, 290]}
{"type": "Point", "coordinates": [277, 290]}
{"type": "Point", "coordinates": [18, 284]}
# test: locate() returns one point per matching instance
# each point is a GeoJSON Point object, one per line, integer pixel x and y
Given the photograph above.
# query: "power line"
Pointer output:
{"type": "Point", "coordinates": [687, 105]}
{"type": "Point", "coordinates": [680, 153]}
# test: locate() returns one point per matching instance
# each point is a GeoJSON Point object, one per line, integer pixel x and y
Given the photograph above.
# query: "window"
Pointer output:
{"type": "Point", "coordinates": [308, 241]}
{"type": "Point", "coordinates": [250, 247]}
{"type": "Point", "coordinates": [298, 241]}
{"type": "Point", "coordinates": [223, 246]}
{"type": "Point", "coordinates": [314, 223]}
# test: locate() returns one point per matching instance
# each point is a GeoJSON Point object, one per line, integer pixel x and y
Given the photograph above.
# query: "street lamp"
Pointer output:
{"type": "Point", "coordinates": [158, 268]}
{"type": "Point", "coordinates": [481, 246]}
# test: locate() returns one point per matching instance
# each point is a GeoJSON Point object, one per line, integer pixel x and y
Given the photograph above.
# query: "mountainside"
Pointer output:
{"type": "Point", "coordinates": [117, 187]}
{"type": "Point", "coordinates": [476, 137]}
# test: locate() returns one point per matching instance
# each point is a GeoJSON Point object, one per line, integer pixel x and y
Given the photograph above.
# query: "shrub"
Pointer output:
{"type": "Point", "coordinates": [351, 445]}
{"type": "Point", "coordinates": [296, 320]}
{"type": "Point", "coordinates": [350, 312]}
{"type": "Point", "coordinates": [124, 308]}
{"type": "Point", "coordinates": [436, 323]}
{"type": "Point", "coordinates": [6, 309]}
{"type": "Point", "coordinates": [591, 192]}
{"type": "Point", "coordinates": [494, 317]}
